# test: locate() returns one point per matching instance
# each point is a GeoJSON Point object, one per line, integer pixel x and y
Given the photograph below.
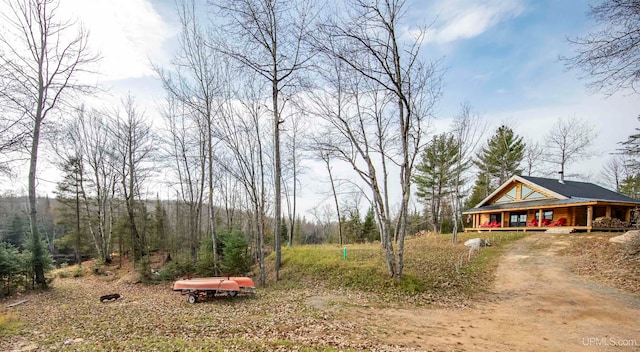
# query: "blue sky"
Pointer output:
{"type": "Point", "coordinates": [501, 56]}
{"type": "Point", "coordinates": [514, 62]}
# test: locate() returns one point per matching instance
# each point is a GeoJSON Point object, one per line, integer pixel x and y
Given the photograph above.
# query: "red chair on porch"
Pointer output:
{"type": "Point", "coordinates": [559, 222]}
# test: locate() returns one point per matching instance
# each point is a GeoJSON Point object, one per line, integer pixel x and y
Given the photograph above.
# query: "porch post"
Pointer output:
{"type": "Point", "coordinates": [608, 211]}
{"type": "Point", "coordinates": [589, 217]}
{"type": "Point", "coordinates": [539, 217]}
{"type": "Point", "coordinates": [502, 219]}
{"type": "Point", "coordinates": [627, 216]}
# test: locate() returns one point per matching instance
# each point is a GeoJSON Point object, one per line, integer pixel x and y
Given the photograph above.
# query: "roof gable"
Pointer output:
{"type": "Point", "coordinates": [529, 191]}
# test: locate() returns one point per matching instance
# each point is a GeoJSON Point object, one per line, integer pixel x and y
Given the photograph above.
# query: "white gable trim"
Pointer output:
{"type": "Point", "coordinates": [524, 181]}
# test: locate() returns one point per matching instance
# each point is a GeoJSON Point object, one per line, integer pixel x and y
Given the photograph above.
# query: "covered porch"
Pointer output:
{"type": "Point", "coordinates": [591, 216]}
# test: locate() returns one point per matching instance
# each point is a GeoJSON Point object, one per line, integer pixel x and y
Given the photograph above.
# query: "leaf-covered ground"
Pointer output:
{"type": "Point", "coordinates": [307, 311]}
{"type": "Point", "coordinates": [70, 316]}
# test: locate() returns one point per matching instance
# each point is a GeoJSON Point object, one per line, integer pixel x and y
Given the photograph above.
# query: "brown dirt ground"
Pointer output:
{"type": "Point", "coordinates": [537, 304]}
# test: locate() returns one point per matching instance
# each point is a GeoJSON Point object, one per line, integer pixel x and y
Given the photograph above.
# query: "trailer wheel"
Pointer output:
{"type": "Point", "coordinates": [232, 293]}
{"type": "Point", "coordinates": [192, 298]}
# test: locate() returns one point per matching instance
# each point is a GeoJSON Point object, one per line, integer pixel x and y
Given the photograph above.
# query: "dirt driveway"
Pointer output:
{"type": "Point", "coordinates": [537, 305]}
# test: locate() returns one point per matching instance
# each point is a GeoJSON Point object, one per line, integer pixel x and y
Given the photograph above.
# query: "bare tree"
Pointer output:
{"type": "Point", "coordinates": [195, 81]}
{"type": "Point", "coordinates": [610, 55]}
{"type": "Point", "coordinates": [614, 171]}
{"type": "Point", "coordinates": [326, 157]}
{"type": "Point", "coordinates": [266, 36]}
{"type": "Point", "coordinates": [133, 149]}
{"type": "Point", "coordinates": [186, 156]}
{"type": "Point", "coordinates": [98, 184]}
{"type": "Point", "coordinates": [568, 141]}
{"type": "Point", "coordinates": [293, 158]}
{"type": "Point", "coordinates": [369, 42]}
{"type": "Point", "coordinates": [241, 134]}
{"type": "Point", "coordinates": [40, 59]}
{"type": "Point", "coordinates": [533, 157]}
{"type": "Point", "coordinates": [467, 130]}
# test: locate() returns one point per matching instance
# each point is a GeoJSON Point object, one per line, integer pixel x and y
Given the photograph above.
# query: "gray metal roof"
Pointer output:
{"type": "Point", "coordinates": [575, 189]}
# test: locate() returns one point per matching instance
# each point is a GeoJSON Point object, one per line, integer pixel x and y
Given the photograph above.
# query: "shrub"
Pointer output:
{"type": "Point", "coordinates": [78, 271]}
{"type": "Point", "coordinates": [144, 269]}
{"type": "Point", "coordinates": [206, 266]}
{"type": "Point", "coordinates": [175, 269]}
{"type": "Point", "coordinates": [235, 254]}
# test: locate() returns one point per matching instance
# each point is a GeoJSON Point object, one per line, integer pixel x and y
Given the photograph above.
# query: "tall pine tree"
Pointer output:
{"type": "Point", "coordinates": [497, 161]}
{"type": "Point", "coordinates": [435, 175]}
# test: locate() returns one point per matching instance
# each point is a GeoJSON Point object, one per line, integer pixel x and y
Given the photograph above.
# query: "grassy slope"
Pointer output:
{"type": "Point", "coordinates": [431, 273]}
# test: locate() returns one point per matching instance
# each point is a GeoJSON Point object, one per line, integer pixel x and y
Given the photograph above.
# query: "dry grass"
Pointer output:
{"type": "Point", "coordinates": [611, 263]}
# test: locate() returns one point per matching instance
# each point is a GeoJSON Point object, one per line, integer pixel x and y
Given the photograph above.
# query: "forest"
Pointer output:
{"type": "Point", "coordinates": [212, 179]}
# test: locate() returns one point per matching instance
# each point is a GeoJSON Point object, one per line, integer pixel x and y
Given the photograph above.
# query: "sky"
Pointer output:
{"type": "Point", "coordinates": [500, 56]}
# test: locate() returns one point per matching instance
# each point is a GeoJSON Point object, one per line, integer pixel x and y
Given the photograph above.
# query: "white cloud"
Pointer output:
{"type": "Point", "coordinates": [463, 19]}
{"type": "Point", "coordinates": [128, 34]}
{"type": "Point", "coordinates": [614, 119]}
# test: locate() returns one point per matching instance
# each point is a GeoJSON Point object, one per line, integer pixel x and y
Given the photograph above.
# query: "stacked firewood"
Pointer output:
{"type": "Point", "coordinates": [607, 222]}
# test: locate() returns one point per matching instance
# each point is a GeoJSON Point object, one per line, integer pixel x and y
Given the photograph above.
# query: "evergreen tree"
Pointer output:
{"type": "Point", "coordinates": [235, 255]}
{"type": "Point", "coordinates": [480, 190]}
{"type": "Point", "coordinates": [631, 150]}
{"type": "Point", "coordinates": [205, 265]}
{"type": "Point", "coordinates": [435, 175]}
{"type": "Point", "coordinates": [497, 161]}
{"type": "Point", "coordinates": [352, 228]}
{"type": "Point", "coordinates": [15, 233]}
{"type": "Point", "coordinates": [369, 228]}
{"type": "Point", "coordinates": [68, 194]}
{"type": "Point", "coordinates": [630, 186]}
{"type": "Point", "coordinates": [159, 227]}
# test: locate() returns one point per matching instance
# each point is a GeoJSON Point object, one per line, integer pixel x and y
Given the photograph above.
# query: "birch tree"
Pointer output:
{"type": "Point", "coordinates": [370, 42]}
{"type": "Point", "coordinates": [98, 185]}
{"type": "Point", "coordinates": [41, 56]}
{"type": "Point", "coordinates": [293, 138]}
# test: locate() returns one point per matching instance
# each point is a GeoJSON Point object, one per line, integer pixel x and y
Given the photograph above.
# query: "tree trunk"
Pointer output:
{"type": "Point", "coordinates": [37, 250]}
{"type": "Point", "coordinates": [278, 173]}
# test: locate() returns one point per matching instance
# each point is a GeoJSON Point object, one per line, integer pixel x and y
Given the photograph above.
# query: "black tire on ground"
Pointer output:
{"type": "Point", "coordinates": [193, 298]}
{"type": "Point", "coordinates": [232, 293]}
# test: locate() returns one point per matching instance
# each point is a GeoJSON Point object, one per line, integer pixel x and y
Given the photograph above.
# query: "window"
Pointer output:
{"type": "Point", "coordinates": [546, 215]}
{"type": "Point", "coordinates": [495, 218]}
{"type": "Point", "coordinates": [518, 220]}
{"type": "Point", "coordinates": [508, 197]}
{"type": "Point", "coordinates": [528, 193]}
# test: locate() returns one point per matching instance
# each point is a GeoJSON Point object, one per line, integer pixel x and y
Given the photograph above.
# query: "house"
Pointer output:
{"type": "Point", "coordinates": [539, 204]}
